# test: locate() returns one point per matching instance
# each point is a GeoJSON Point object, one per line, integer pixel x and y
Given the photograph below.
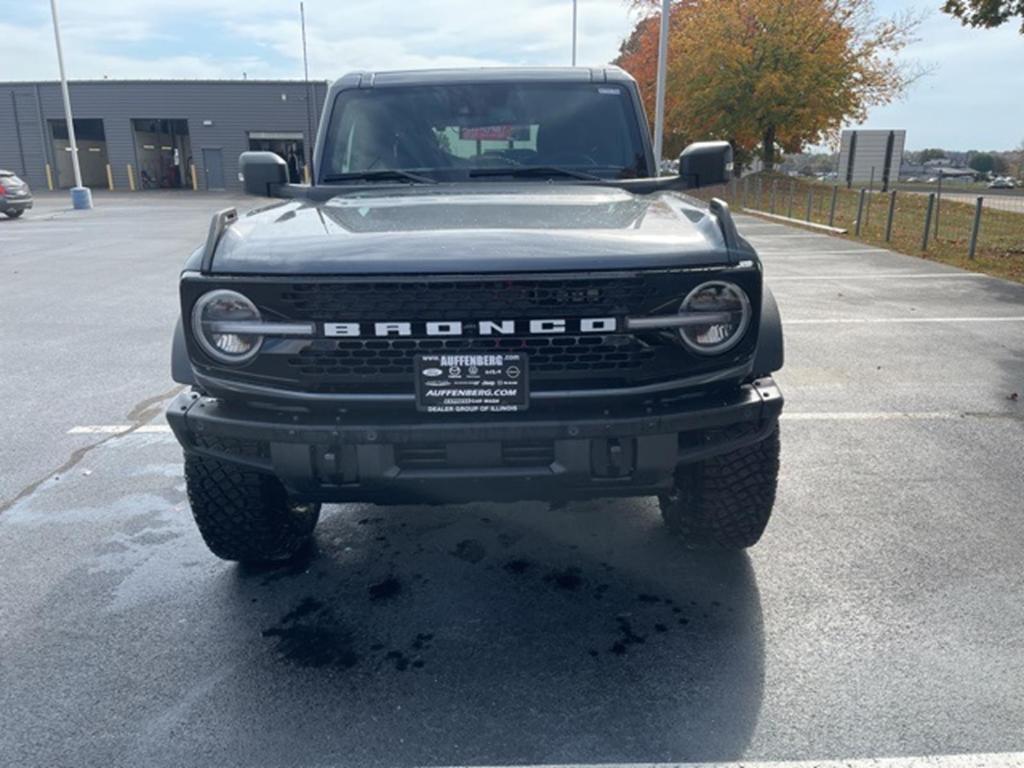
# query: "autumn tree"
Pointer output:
{"type": "Point", "coordinates": [765, 74]}
{"type": "Point", "coordinates": [985, 13]}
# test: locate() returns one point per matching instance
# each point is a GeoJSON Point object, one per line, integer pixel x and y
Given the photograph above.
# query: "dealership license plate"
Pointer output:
{"type": "Point", "coordinates": [472, 383]}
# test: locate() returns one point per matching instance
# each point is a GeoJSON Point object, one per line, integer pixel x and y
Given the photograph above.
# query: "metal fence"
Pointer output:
{"type": "Point", "coordinates": [954, 225]}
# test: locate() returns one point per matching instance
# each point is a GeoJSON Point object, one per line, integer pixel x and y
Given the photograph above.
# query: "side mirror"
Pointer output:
{"type": "Point", "coordinates": [705, 163]}
{"type": "Point", "coordinates": [262, 173]}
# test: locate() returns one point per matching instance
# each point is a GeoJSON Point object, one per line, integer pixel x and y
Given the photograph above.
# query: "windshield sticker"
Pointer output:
{"type": "Point", "coordinates": [496, 133]}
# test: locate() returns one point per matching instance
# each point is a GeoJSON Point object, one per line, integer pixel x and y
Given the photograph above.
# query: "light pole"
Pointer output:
{"type": "Point", "coordinates": [310, 138]}
{"type": "Point", "coordinates": [574, 32]}
{"type": "Point", "coordinates": [659, 103]}
{"type": "Point", "coordinates": [81, 197]}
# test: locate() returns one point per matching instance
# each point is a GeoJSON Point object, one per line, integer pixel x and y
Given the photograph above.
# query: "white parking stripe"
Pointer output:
{"type": "Point", "coordinates": [980, 760]}
{"type": "Point", "coordinates": [881, 276]}
{"type": "Point", "coordinates": [116, 429]}
{"type": "Point", "coordinates": [803, 253]}
{"type": "Point", "coordinates": [894, 320]}
{"type": "Point", "coordinates": [875, 415]}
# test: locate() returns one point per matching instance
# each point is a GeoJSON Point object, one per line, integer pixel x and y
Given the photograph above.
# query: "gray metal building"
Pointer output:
{"type": "Point", "coordinates": [147, 134]}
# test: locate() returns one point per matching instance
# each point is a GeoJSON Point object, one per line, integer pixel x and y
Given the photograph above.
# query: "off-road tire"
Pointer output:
{"type": "Point", "coordinates": [244, 515]}
{"type": "Point", "coordinates": [725, 502]}
{"type": "Point", "coordinates": [13, 214]}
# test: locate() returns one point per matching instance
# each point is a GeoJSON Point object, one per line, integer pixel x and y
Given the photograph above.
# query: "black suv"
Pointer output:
{"type": "Point", "coordinates": [15, 196]}
{"type": "Point", "coordinates": [487, 293]}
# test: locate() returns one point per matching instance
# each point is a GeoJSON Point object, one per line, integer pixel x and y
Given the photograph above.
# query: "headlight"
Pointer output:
{"type": "Point", "coordinates": [727, 311]}
{"type": "Point", "coordinates": [212, 319]}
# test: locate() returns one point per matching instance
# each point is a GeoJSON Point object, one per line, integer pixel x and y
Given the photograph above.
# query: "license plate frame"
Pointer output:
{"type": "Point", "coordinates": [473, 383]}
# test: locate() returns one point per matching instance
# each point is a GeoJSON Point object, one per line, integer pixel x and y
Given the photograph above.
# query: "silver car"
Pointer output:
{"type": "Point", "coordinates": [15, 196]}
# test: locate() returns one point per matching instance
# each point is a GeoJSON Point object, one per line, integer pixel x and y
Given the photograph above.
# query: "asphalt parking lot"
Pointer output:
{"type": "Point", "coordinates": [881, 615]}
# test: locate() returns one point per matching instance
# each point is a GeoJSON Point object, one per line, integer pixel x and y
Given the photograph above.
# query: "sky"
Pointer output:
{"type": "Point", "coordinates": [971, 100]}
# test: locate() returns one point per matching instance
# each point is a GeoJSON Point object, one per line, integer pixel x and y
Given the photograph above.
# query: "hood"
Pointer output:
{"type": "Point", "coordinates": [479, 227]}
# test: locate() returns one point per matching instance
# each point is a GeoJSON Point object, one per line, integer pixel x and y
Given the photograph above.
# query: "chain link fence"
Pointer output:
{"type": "Point", "coordinates": [980, 229]}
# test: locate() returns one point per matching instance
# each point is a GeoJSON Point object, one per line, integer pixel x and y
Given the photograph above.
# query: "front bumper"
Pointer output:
{"type": "Point", "coordinates": [332, 457]}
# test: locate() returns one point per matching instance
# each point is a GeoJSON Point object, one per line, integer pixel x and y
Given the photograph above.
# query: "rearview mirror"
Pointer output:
{"type": "Point", "coordinates": [262, 173]}
{"type": "Point", "coordinates": [705, 163]}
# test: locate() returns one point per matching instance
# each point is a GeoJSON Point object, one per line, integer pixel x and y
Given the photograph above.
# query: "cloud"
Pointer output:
{"type": "Point", "coordinates": [968, 102]}
{"type": "Point", "coordinates": [222, 38]}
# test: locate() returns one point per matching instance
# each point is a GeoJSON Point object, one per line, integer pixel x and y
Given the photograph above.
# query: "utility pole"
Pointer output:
{"type": "Point", "coordinates": [659, 104]}
{"type": "Point", "coordinates": [81, 197]}
{"type": "Point", "coordinates": [309, 106]}
{"type": "Point", "coordinates": [574, 3]}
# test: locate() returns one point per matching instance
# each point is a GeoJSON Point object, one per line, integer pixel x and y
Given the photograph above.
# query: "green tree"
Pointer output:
{"type": "Point", "coordinates": [985, 13]}
{"type": "Point", "coordinates": [930, 154]}
{"type": "Point", "coordinates": [982, 162]}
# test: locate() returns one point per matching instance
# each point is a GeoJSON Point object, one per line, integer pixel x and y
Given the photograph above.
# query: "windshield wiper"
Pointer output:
{"type": "Point", "coordinates": [527, 171]}
{"type": "Point", "coordinates": [384, 174]}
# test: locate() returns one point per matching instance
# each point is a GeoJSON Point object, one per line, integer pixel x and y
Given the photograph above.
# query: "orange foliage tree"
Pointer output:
{"type": "Point", "coordinates": [765, 74]}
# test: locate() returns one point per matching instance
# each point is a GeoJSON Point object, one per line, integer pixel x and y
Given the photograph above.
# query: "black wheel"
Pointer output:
{"type": "Point", "coordinates": [725, 502]}
{"type": "Point", "coordinates": [245, 515]}
{"type": "Point", "coordinates": [15, 213]}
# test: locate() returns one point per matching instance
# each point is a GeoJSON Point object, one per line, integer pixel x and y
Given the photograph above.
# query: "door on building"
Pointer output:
{"type": "Point", "coordinates": [289, 146]}
{"type": "Point", "coordinates": [213, 168]}
{"type": "Point", "coordinates": [164, 153]}
{"type": "Point", "coordinates": [92, 152]}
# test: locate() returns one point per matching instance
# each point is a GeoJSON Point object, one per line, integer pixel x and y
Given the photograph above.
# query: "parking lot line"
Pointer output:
{"type": "Point", "coordinates": [116, 429]}
{"type": "Point", "coordinates": [879, 415]}
{"type": "Point", "coordinates": [778, 250]}
{"type": "Point", "coordinates": [883, 276]}
{"type": "Point", "coordinates": [893, 320]}
{"type": "Point", "coordinates": [981, 760]}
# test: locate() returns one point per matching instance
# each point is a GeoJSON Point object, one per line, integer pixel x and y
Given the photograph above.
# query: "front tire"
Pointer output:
{"type": "Point", "coordinates": [14, 213]}
{"type": "Point", "coordinates": [246, 516]}
{"type": "Point", "coordinates": [725, 502]}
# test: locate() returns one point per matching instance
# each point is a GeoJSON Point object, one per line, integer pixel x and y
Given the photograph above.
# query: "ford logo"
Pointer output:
{"type": "Point", "coordinates": [431, 373]}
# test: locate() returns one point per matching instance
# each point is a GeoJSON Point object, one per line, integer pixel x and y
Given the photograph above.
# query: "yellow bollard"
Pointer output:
{"type": "Point", "coordinates": [131, 177]}
{"type": "Point", "coordinates": [305, 173]}
{"type": "Point", "coordinates": [195, 181]}
{"type": "Point", "coordinates": [110, 178]}
{"type": "Point", "coordinates": [49, 177]}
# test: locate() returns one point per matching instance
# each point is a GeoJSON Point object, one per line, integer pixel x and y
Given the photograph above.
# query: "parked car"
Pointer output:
{"type": "Point", "coordinates": [432, 324]}
{"type": "Point", "coordinates": [15, 196]}
{"type": "Point", "coordinates": [1002, 183]}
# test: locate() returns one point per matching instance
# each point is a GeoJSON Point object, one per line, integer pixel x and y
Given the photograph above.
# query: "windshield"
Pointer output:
{"type": "Point", "coordinates": [456, 131]}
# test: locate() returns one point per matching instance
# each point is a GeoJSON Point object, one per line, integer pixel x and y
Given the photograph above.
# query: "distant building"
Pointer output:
{"type": "Point", "coordinates": [149, 134]}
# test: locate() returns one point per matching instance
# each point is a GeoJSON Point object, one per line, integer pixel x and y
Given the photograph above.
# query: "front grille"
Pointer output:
{"type": "Point", "coordinates": [557, 362]}
{"type": "Point", "coordinates": [394, 357]}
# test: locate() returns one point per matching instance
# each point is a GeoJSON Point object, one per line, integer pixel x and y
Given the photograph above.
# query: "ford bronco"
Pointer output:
{"type": "Point", "coordinates": [487, 293]}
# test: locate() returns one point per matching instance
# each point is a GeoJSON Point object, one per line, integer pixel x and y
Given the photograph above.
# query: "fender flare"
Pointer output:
{"type": "Point", "coordinates": [770, 353]}
{"type": "Point", "coordinates": [181, 366]}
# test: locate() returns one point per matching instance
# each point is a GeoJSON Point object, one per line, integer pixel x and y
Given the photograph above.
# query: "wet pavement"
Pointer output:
{"type": "Point", "coordinates": [881, 615]}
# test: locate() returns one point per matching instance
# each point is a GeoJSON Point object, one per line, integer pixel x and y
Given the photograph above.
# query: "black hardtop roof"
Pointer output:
{"type": "Point", "coordinates": [610, 74]}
